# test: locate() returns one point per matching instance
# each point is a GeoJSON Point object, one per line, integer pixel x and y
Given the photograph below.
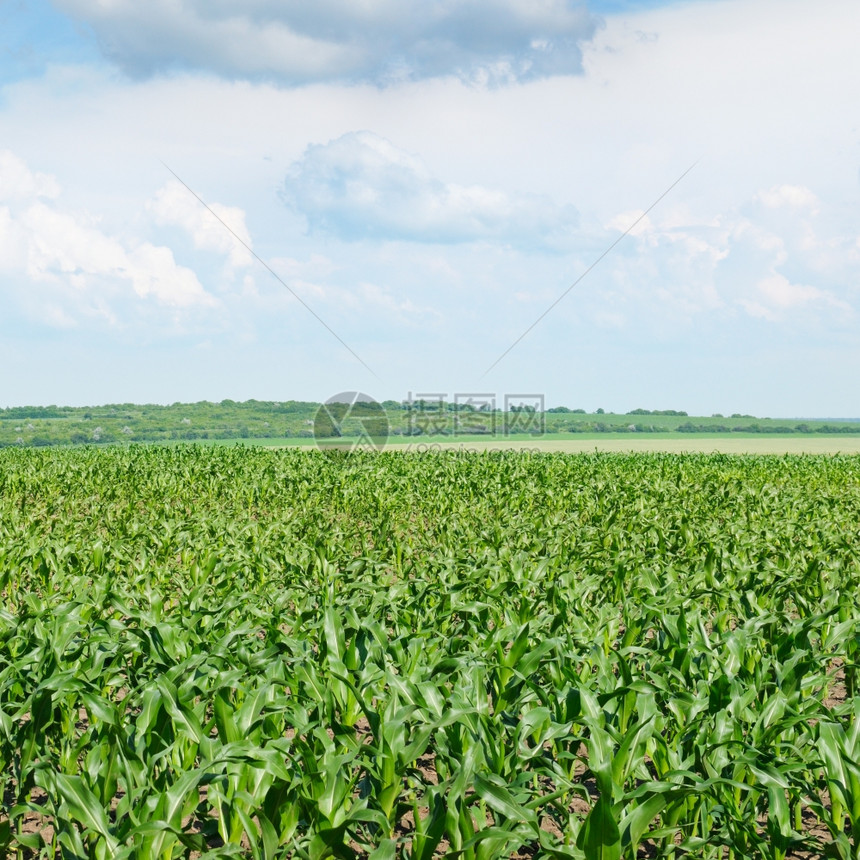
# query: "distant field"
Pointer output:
{"type": "Point", "coordinates": [670, 443]}
{"type": "Point", "coordinates": [734, 443]}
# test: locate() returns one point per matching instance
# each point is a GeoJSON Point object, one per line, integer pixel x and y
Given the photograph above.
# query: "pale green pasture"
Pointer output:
{"type": "Point", "coordinates": [670, 443]}
{"type": "Point", "coordinates": [652, 443]}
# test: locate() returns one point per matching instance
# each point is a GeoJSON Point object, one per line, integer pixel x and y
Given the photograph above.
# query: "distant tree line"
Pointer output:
{"type": "Point", "coordinates": [41, 426]}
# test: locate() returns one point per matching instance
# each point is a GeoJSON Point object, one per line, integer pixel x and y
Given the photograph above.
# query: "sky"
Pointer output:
{"type": "Point", "coordinates": [271, 199]}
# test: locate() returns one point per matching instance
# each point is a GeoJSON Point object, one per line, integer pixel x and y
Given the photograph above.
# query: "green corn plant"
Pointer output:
{"type": "Point", "coordinates": [839, 748]}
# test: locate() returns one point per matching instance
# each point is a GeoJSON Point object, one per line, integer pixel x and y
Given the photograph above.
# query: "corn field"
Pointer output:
{"type": "Point", "coordinates": [271, 654]}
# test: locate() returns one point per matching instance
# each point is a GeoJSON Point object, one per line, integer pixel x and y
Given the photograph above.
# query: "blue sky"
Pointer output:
{"type": "Point", "coordinates": [429, 178]}
{"type": "Point", "coordinates": [34, 34]}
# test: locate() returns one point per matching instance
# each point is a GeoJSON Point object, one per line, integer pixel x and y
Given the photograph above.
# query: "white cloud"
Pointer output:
{"type": "Point", "coordinates": [18, 182]}
{"type": "Point", "coordinates": [368, 298]}
{"type": "Point", "coordinates": [775, 276]}
{"type": "Point", "coordinates": [12, 250]}
{"type": "Point", "coordinates": [317, 266]}
{"type": "Point", "coordinates": [60, 244]}
{"type": "Point", "coordinates": [777, 293]}
{"type": "Point", "coordinates": [295, 42]}
{"type": "Point", "coordinates": [625, 221]}
{"type": "Point", "coordinates": [70, 256]}
{"type": "Point", "coordinates": [153, 271]}
{"type": "Point", "coordinates": [765, 260]}
{"type": "Point", "coordinates": [174, 205]}
{"type": "Point", "coordinates": [62, 248]}
{"type": "Point", "coordinates": [325, 288]}
{"type": "Point", "coordinates": [361, 186]}
{"type": "Point", "coordinates": [782, 293]}
{"type": "Point", "coordinates": [792, 196]}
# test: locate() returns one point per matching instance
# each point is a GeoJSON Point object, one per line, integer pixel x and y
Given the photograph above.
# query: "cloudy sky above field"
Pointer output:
{"type": "Point", "coordinates": [428, 177]}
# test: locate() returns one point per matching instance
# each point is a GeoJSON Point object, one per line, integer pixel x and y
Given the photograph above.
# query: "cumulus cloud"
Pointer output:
{"type": "Point", "coordinates": [776, 294]}
{"type": "Point", "coordinates": [363, 298]}
{"type": "Point", "coordinates": [662, 275]}
{"type": "Point", "coordinates": [377, 41]}
{"type": "Point", "coordinates": [782, 293]}
{"type": "Point", "coordinates": [361, 186]}
{"type": "Point", "coordinates": [791, 196]}
{"type": "Point", "coordinates": [73, 259]}
{"type": "Point", "coordinates": [632, 221]}
{"type": "Point", "coordinates": [780, 268]}
{"type": "Point", "coordinates": [62, 248]}
{"type": "Point", "coordinates": [18, 182]}
{"type": "Point", "coordinates": [173, 205]}
{"type": "Point", "coordinates": [763, 260]}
